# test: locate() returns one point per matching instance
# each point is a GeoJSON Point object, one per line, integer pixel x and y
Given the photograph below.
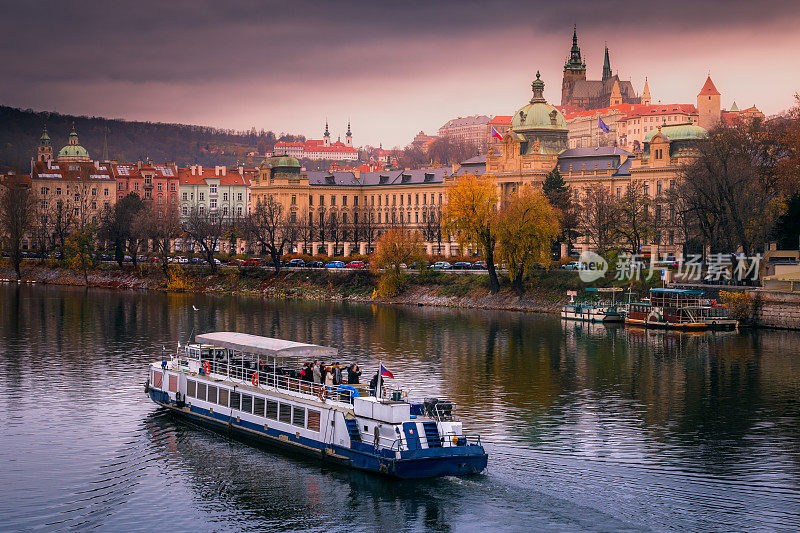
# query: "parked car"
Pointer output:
{"type": "Point", "coordinates": [479, 265]}
{"type": "Point", "coordinates": [419, 265]}
{"type": "Point", "coordinates": [254, 261]}
{"type": "Point", "coordinates": [356, 264]}
{"type": "Point", "coordinates": [462, 265]}
{"type": "Point", "coordinates": [182, 260]}
{"type": "Point", "coordinates": [572, 265]}
{"type": "Point", "coordinates": [442, 265]}
{"type": "Point", "coordinates": [315, 264]}
{"type": "Point", "coordinates": [335, 264]}
{"type": "Point", "coordinates": [295, 263]}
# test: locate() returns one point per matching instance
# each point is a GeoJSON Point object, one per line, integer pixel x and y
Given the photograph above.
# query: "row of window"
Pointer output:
{"type": "Point", "coordinates": [202, 196]}
{"type": "Point", "coordinates": [46, 190]}
{"type": "Point", "coordinates": [202, 210]}
{"type": "Point", "coordinates": [256, 405]}
{"type": "Point", "coordinates": [382, 199]}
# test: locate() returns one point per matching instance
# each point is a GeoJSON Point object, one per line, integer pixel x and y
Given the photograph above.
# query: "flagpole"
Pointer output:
{"type": "Point", "coordinates": [380, 380]}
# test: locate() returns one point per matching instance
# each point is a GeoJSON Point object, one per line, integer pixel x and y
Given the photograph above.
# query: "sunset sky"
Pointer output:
{"type": "Point", "coordinates": [393, 70]}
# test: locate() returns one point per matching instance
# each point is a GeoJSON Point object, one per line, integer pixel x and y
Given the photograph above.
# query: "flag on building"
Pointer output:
{"type": "Point", "coordinates": [496, 134]}
{"type": "Point", "coordinates": [385, 372]}
{"type": "Point", "coordinates": [602, 125]}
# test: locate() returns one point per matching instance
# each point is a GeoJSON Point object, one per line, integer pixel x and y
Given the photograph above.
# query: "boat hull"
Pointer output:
{"type": "Point", "coordinates": [592, 315]}
{"type": "Point", "coordinates": [411, 464]}
{"type": "Point", "coordinates": [693, 326]}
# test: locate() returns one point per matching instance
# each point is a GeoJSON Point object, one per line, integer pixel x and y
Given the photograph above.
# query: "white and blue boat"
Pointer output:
{"type": "Point", "coordinates": [246, 385]}
{"type": "Point", "coordinates": [595, 308]}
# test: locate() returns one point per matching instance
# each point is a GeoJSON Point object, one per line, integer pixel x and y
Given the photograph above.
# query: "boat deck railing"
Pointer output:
{"type": "Point", "coordinates": [447, 440]}
{"type": "Point", "coordinates": [266, 379]}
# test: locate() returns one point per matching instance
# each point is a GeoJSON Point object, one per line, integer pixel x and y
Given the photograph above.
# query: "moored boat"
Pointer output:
{"type": "Point", "coordinates": [233, 381]}
{"type": "Point", "coordinates": [595, 310]}
{"type": "Point", "coordinates": [679, 309]}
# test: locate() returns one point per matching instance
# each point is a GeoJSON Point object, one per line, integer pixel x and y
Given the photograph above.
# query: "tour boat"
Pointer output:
{"type": "Point", "coordinates": [679, 309]}
{"type": "Point", "coordinates": [594, 311]}
{"type": "Point", "coordinates": [246, 385]}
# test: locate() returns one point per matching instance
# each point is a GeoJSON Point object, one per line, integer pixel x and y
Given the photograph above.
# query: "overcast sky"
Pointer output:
{"type": "Point", "coordinates": [392, 69]}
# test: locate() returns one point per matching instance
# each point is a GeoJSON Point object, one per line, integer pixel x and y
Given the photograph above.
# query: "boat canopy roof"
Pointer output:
{"type": "Point", "coordinates": [256, 344]}
{"type": "Point", "coordinates": [687, 292]}
{"type": "Point", "coordinates": [603, 289]}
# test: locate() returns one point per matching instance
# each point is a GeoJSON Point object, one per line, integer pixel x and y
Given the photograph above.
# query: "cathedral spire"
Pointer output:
{"type": "Point", "coordinates": [606, 66]}
{"type": "Point", "coordinates": [575, 62]}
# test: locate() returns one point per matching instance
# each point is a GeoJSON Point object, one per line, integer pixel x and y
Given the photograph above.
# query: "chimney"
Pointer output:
{"type": "Point", "coordinates": [193, 168]}
{"type": "Point", "coordinates": [241, 170]}
{"type": "Point", "coordinates": [139, 165]}
{"type": "Point", "coordinates": [199, 170]}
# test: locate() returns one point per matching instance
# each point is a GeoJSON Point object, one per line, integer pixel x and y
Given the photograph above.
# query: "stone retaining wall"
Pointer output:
{"type": "Point", "coordinates": [775, 309]}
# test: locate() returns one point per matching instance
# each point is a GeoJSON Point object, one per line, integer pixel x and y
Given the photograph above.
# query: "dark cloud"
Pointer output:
{"type": "Point", "coordinates": [189, 50]}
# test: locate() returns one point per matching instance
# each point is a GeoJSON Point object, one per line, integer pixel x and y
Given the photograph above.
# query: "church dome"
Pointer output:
{"type": "Point", "coordinates": [284, 161]}
{"type": "Point", "coordinates": [538, 114]}
{"type": "Point", "coordinates": [73, 151]}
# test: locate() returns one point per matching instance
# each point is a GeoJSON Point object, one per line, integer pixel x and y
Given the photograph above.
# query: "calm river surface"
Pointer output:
{"type": "Point", "coordinates": [587, 428]}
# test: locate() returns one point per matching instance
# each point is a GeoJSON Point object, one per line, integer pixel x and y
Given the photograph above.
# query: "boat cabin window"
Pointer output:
{"type": "Point", "coordinates": [313, 420]}
{"type": "Point", "coordinates": [223, 397]}
{"type": "Point", "coordinates": [258, 406]}
{"type": "Point", "coordinates": [285, 413]}
{"type": "Point", "coordinates": [247, 403]}
{"type": "Point", "coordinates": [201, 391]}
{"type": "Point", "coordinates": [173, 383]}
{"type": "Point", "coordinates": [157, 379]}
{"type": "Point", "coordinates": [272, 410]}
{"type": "Point", "coordinates": [235, 400]}
{"type": "Point", "coordinates": [193, 352]}
{"type": "Point", "coordinates": [299, 417]}
{"type": "Point", "coordinates": [191, 389]}
{"type": "Point", "coordinates": [212, 394]}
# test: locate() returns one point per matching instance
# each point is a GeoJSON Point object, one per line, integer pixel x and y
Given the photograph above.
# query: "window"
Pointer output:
{"type": "Point", "coordinates": [202, 196]}
{"type": "Point", "coordinates": [416, 199]}
{"type": "Point", "coordinates": [223, 397]}
{"type": "Point", "coordinates": [212, 394]}
{"type": "Point", "coordinates": [136, 186]}
{"type": "Point", "coordinates": [212, 203]}
{"type": "Point", "coordinates": [310, 199]}
{"type": "Point", "coordinates": [201, 391]}
{"type": "Point", "coordinates": [647, 188]}
{"type": "Point", "coordinates": [299, 417]}
{"type": "Point", "coordinates": [239, 211]}
{"type": "Point", "coordinates": [235, 400]}
{"type": "Point", "coordinates": [344, 200]}
{"type": "Point", "coordinates": [293, 216]}
{"type": "Point", "coordinates": [172, 187]}
{"type": "Point", "coordinates": [191, 388]}
{"type": "Point", "coordinates": [247, 403]}
{"type": "Point", "coordinates": [212, 189]}
{"type": "Point", "coordinates": [619, 192]}
{"type": "Point", "coordinates": [160, 187]}
{"type": "Point", "coordinates": [294, 199]}
{"type": "Point", "coordinates": [185, 196]}
{"type": "Point", "coordinates": [239, 197]}
{"type": "Point", "coordinates": [272, 410]}
{"type": "Point", "coordinates": [658, 187]}
{"type": "Point", "coordinates": [333, 199]}
{"type": "Point", "coordinates": [94, 191]}
{"type": "Point", "coordinates": [157, 379]}
{"type": "Point", "coordinates": [355, 201]}
{"type": "Point", "coordinates": [409, 199]}
{"type": "Point", "coordinates": [321, 199]}
{"type": "Point", "coordinates": [313, 420]}
{"type": "Point", "coordinates": [285, 413]}
{"type": "Point", "coordinates": [184, 210]}
{"type": "Point", "coordinates": [105, 191]}
{"type": "Point", "coordinates": [258, 406]}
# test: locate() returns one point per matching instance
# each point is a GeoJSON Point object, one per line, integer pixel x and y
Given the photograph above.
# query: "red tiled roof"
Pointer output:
{"type": "Point", "coordinates": [283, 144]}
{"type": "Point", "coordinates": [501, 119]}
{"type": "Point", "coordinates": [71, 171]}
{"type": "Point", "coordinates": [708, 88]}
{"type": "Point", "coordinates": [654, 110]}
{"type": "Point", "coordinates": [623, 108]}
{"type": "Point", "coordinates": [231, 176]}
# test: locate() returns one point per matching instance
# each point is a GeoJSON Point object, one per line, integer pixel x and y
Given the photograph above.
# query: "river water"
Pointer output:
{"type": "Point", "coordinates": [587, 427]}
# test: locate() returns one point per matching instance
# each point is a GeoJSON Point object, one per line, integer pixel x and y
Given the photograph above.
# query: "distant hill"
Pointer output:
{"type": "Point", "coordinates": [128, 141]}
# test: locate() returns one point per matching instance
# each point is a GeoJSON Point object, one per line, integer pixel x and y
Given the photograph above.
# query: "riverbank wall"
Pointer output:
{"type": "Point", "coordinates": [775, 309]}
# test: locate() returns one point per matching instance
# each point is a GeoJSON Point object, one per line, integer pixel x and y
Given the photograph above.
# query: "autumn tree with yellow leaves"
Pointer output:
{"type": "Point", "coordinates": [471, 215]}
{"type": "Point", "coordinates": [526, 227]}
{"type": "Point", "coordinates": [396, 247]}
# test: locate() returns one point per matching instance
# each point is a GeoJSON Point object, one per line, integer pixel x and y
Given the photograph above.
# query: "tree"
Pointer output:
{"type": "Point", "coordinates": [732, 187]}
{"type": "Point", "coordinates": [412, 157]}
{"type": "Point", "coordinates": [559, 194]}
{"type": "Point", "coordinates": [162, 226]}
{"type": "Point", "coordinates": [206, 229]}
{"type": "Point", "coordinates": [448, 149]}
{"type": "Point", "coordinates": [527, 225]}
{"type": "Point", "coordinates": [333, 229]}
{"type": "Point", "coordinates": [636, 221]}
{"type": "Point", "coordinates": [17, 210]}
{"type": "Point", "coordinates": [80, 249]}
{"type": "Point", "coordinates": [117, 226]}
{"type": "Point", "coordinates": [367, 227]}
{"type": "Point", "coordinates": [599, 218]}
{"type": "Point", "coordinates": [395, 248]}
{"type": "Point", "coordinates": [470, 214]}
{"type": "Point", "coordinates": [269, 227]}
{"type": "Point", "coordinates": [787, 228]}
{"type": "Point", "coordinates": [432, 225]}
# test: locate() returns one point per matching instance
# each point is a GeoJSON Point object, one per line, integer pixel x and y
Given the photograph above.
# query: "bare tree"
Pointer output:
{"type": "Point", "coordinates": [600, 218]}
{"type": "Point", "coordinates": [269, 227]}
{"type": "Point", "coordinates": [161, 227]}
{"type": "Point", "coordinates": [636, 217]}
{"type": "Point", "coordinates": [333, 229]}
{"type": "Point", "coordinates": [432, 226]}
{"type": "Point", "coordinates": [207, 229]}
{"type": "Point", "coordinates": [17, 209]}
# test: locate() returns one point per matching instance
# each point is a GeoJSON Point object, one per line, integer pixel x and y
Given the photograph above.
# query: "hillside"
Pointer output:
{"type": "Point", "coordinates": [127, 141]}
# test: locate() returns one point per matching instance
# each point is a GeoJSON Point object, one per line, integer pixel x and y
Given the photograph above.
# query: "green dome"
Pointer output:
{"type": "Point", "coordinates": [538, 114]}
{"type": "Point", "coordinates": [73, 151]}
{"type": "Point", "coordinates": [284, 161]}
{"type": "Point", "coordinates": [678, 132]}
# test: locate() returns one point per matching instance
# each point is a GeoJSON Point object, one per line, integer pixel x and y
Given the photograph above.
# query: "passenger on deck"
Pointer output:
{"type": "Point", "coordinates": [373, 384]}
{"type": "Point", "coordinates": [304, 372]}
{"type": "Point", "coordinates": [316, 372]}
{"type": "Point", "coordinates": [337, 373]}
{"type": "Point", "coordinates": [353, 373]}
{"type": "Point", "coordinates": [329, 376]}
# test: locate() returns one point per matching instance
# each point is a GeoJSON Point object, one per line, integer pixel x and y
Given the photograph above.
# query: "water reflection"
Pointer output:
{"type": "Point", "coordinates": [587, 425]}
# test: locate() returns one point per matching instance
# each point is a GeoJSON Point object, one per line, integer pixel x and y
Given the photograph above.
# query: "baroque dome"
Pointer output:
{"type": "Point", "coordinates": [678, 132]}
{"type": "Point", "coordinates": [538, 114]}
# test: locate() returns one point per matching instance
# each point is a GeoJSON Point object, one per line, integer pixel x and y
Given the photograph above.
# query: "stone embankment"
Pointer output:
{"type": "Point", "coordinates": [773, 309]}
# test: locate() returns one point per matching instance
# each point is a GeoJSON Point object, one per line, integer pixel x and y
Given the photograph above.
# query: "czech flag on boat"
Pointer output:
{"type": "Point", "coordinates": [385, 372]}
{"type": "Point", "coordinates": [495, 134]}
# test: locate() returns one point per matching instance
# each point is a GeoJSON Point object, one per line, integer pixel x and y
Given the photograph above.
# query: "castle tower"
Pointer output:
{"type": "Point", "coordinates": [607, 67]}
{"type": "Point", "coordinates": [708, 105]}
{"type": "Point", "coordinates": [327, 135]}
{"type": "Point", "coordinates": [45, 150]}
{"type": "Point", "coordinates": [348, 137]}
{"type": "Point", "coordinates": [616, 94]}
{"type": "Point", "coordinates": [574, 69]}
{"type": "Point", "coordinates": [646, 93]}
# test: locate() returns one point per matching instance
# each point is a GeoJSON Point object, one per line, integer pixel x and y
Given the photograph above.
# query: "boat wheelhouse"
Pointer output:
{"type": "Point", "coordinates": [250, 385]}
{"type": "Point", "coordinates": [679, 309]}
{"type": "Point", "coordinates": [600, 307]}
